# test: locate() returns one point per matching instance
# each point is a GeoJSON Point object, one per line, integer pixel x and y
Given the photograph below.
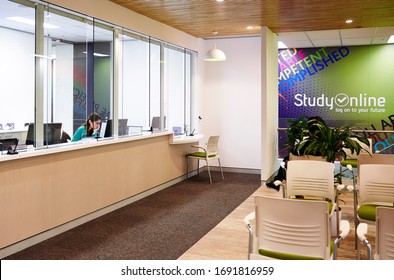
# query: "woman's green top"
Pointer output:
{"type": "Point", "coordinates": [80, 133]}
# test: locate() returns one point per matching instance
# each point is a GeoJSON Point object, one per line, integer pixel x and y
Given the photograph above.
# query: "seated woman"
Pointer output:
{"type": "Point", "coordinates": [89, 128]}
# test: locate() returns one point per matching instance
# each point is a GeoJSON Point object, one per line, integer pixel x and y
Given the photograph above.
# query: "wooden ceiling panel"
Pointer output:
{"type": "Point", "coordinates": [231, 17]}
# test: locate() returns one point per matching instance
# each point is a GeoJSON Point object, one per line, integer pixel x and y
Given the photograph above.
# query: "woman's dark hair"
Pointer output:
{"type": "Point", "coordinates": [93, 117]}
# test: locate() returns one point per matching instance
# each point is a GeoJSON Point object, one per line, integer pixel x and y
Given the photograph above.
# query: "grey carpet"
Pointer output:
{"type": "Point", "coordinates": [162, 226]}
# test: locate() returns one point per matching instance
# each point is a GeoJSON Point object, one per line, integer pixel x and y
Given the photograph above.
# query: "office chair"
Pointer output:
{"type": "Point", "coordinates": [65, 137]}
{"type": "Point", "coordinates": [156, 124]}
{"type": "Point", "coordinates": [292, 229]}
{"type": "Point", "coordinates": [384, 235]}
{"type": "Point", "coordinates": [208, 153]}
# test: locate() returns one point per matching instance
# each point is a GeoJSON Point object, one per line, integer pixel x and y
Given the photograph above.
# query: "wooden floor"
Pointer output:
{"type": "Point", "coordinates": [229, 239]}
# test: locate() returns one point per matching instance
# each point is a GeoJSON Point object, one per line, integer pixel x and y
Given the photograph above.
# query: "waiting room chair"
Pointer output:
{"type": "Point", "coordinates": [384, 234]}
{"type": "Point", "coordinates": [207, 154]}
{"type": "Point", "coordinates": [312, 179]}
{"type": "Point", "coordinates": [365, 158]}
{"type": "Point", "coordinates": [292, 229]}
{"type": "Point", "coordinates": [376, 188]}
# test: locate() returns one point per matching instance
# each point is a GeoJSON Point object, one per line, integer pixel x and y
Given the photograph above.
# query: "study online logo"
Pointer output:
{"type": "Point", "coordinates": [340, 100]}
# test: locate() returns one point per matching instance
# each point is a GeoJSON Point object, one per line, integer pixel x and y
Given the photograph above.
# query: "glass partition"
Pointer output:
{"type": "Point", "coordinates": [156, 106]}
{"type": "Point", "coordinates": [134, 89]}
{"type": "Point", "coordinates": [61, 66]}
{"type": "Point", "coordinates": [67, 40]}
{"type": "Point", "coordinates": [174, 84]}
{"type": "Point", "coordinates": [17, 71]}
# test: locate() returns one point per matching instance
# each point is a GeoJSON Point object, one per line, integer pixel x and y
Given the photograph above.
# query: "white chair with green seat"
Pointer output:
{"type": "Point", "coordinates": [207, 154]}
{"type": "Point", "coordinates": [376, 188]}
{"type": "Point", "coordinates": [312, 180]}
{"type": "Point", "coordinates": [292, 229]}
{"type": "Point", "coordinates": [384, 234]}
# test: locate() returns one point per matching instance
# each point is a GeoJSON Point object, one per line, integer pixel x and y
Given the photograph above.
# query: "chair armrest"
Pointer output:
{"type": "Point", "coordinates": [362, 230]}
{"type": "Point", "coordinates": [344, 228]}
{"type": "Point", "coordinates": [249, 217]}
{"type": "Point", "coordinates": [199, 147]}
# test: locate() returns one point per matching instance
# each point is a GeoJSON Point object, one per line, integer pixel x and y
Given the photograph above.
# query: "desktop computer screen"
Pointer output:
{"type": "Point", "coordinates": [52, 134]}
{"type": "Point", "coordinates": [106, 128]}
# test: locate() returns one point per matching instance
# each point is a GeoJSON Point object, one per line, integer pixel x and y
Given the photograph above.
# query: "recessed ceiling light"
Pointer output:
{"type": "Point", "coordinates": [249, 27]}
{"type": "Point", "coordinates": [391, 40]}
{"type": "Point", "coordinates": [219, 0]}
{"type": "Point", "coordinates": [349, 21]}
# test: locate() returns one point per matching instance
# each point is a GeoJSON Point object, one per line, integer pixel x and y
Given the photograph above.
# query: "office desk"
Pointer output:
{"type": "Point", "coordinates": [182, 139]}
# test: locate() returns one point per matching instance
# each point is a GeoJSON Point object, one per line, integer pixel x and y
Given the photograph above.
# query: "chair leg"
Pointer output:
{"type": "Point", "coordinates": [221, 170]}
{"type": "Point", "coordinates": [187, 168]}
{"type": "Point", "coordinates": [209, 172]}
{"type": "Point", "coordinates": [198, 167]}
{"type": "Point", "coordinates": [355, 204]}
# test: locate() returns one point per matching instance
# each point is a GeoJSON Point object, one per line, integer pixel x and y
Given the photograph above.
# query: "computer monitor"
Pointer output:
{"type": "Point", "coordinates": [108, 128]}
{"type": "Point", "coordinates": [103, 129]}
{"type": "Point", "coordinates": [9, 145]}
{"type": "Point", "coordinates": [52, 134]}
{"type": "Point", "coordinates": [123, 127]}
{"type": "Point", "coordinates": [156, 123]}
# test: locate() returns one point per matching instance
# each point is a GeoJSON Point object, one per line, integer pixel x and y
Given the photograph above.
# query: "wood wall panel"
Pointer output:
{"type": "Point", "coordinates": [40, 193]}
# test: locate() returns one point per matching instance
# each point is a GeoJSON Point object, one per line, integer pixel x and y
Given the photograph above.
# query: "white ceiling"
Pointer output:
{"type": "Point", "coordinates": [342, 37]}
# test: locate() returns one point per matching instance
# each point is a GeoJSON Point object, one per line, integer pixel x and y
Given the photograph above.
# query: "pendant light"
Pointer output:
{"type": "Point", "coordinates": [215, 54]}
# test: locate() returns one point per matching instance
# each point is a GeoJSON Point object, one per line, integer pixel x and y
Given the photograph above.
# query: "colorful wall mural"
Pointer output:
{"type": "Point", "coordinates": [351, 86]}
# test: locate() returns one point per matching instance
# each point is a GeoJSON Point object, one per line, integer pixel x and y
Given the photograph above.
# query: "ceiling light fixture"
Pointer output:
{"type": "Point", "coordinates": [249, 27]}
{"type": "Point", "coordinates": [215, 54]}
{"type": "Point", "coordinates": [31, 22]}
{"type": "Point", "coordinates": [391, 40]}
{"type": "Point", "coordinates": [98, 54]}
{"type": "Point", "coordinates": [349, 21]}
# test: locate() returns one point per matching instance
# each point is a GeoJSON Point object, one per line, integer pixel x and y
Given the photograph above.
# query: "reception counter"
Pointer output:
{"type": "Point", "coordinates": [43, 189]}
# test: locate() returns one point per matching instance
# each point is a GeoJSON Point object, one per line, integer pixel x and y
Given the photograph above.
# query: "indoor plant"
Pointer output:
{"type": "Point", "coordinates": [328, 142]}
{"type": "Point", "coordinates": [296, 131]}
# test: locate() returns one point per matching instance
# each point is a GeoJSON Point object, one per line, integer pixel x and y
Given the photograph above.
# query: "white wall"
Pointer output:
{"type": "Point", "coordinates": [231, 101]}
{"type": "Point", "coordinates": [269, 104]}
